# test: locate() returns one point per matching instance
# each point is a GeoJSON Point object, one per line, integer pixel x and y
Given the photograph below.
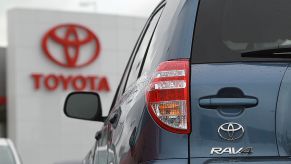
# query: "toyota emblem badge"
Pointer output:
{"type": "Point", "coordinates": [231, 131]}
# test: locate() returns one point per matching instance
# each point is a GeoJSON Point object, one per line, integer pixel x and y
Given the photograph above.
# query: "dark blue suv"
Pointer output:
{"type": "Point", "coordinates": [208, 82]}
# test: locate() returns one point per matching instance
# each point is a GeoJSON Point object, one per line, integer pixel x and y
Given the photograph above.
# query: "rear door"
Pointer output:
{"type": "Point", "coordinates": [233, 109]}
{"type": "Point", "coordinates": [234, 98]}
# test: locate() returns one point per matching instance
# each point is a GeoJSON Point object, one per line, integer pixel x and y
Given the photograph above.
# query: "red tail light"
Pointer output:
{"type": "Point", "coordinates": [168, 96]}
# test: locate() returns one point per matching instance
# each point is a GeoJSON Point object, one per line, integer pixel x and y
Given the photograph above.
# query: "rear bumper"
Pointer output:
{"type": "Point", "coordinates": [258, 160]}
{"type": "Point", "coordinates": [167, 161]}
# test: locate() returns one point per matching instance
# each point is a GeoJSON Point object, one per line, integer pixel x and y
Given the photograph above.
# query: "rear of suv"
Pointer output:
{"type": "Point", "coordinates": [208, 82]}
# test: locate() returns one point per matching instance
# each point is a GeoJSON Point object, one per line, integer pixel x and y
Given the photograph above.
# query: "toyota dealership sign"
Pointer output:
{"type": "Point", "coordinates": [51, 54]}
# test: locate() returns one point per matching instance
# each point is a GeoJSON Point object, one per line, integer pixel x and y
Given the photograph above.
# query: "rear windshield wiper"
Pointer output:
{"type": "Point", "coordinates": [281, 52]}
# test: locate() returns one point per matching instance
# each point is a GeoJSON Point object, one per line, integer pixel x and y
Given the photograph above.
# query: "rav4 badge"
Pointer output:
{"type": "Point", "coordinates": [231, 151]}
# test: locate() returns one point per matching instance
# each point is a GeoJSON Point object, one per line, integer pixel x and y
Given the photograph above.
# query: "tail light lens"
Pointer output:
{"type": "Point", "coordinates": [168, 96]}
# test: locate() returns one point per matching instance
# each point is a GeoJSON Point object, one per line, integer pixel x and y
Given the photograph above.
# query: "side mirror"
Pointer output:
{"type": "Point", "coordinates": [84, 105]}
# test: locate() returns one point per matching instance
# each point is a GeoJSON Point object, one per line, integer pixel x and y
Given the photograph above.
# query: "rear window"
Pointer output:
{"type": "Point", "coordinates": [6, 156]}
{"type": "Point", "coordinates": [225, 28]}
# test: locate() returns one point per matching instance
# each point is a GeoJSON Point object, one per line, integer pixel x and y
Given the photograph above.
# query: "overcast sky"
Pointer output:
{"type": "Point", "coordinates": [141, 8]}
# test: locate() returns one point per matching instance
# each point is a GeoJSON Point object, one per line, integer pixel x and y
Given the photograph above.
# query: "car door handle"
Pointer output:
{"type": "Point", "coordinates": [215, 102]}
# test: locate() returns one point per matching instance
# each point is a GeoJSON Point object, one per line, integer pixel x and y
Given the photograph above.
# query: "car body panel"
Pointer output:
{"type": "Point", "coordinates": [262, 160]}
{"type": "Point", "coordinates": [283, 114]}
{"type": "Point", "coordinates": [167, 161]}
{"type": "Point", "coordinates": [260, 80]}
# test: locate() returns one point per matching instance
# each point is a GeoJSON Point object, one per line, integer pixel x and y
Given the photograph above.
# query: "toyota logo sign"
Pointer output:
{"type": "Point", "coordinates": [70, 46]}
{"type": "Point", "coordinates": [231, 131]}
{"type": "Point", "coordinates": [71, 38]}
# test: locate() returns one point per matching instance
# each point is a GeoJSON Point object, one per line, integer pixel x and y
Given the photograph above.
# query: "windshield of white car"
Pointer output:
{"type": "Point", "coordinates": [6, 155]}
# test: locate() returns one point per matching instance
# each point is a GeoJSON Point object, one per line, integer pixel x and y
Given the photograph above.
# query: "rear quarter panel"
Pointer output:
{"type": "Point", "coordinates": [172, 40]}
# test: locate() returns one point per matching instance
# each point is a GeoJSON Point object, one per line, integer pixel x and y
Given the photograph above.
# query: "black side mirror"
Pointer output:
{"type": "Point", "coordinates": [84, 105]}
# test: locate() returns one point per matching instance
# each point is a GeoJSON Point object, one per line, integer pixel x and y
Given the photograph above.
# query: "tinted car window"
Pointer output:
{"type": "Point", "coordinates": [136, 51]}
{"type": "Point", "coordinates": [226, 28]}
{"type": "Point", "coordinates": [6, 156]}
{"type": "Point", "coordinates": [140, 53]}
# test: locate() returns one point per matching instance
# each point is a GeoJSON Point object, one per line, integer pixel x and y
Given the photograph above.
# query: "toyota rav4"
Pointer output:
{"type": "Point", "coordinates": [208, 82]}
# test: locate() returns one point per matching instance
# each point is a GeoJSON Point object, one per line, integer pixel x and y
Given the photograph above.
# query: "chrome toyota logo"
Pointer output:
{"type": "Point", "coordinates": [231, 131]}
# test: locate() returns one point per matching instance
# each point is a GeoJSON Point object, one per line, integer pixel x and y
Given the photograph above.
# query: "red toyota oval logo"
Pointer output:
{"type": "Point", "coordinates": [71, 45]}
